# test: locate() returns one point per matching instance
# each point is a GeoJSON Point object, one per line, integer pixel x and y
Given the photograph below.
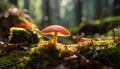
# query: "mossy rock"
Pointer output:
{"type": "Point", "coordinates": [29, 36]}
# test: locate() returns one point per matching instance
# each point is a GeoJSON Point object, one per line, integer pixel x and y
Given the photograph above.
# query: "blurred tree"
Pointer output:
{"type": "Point", "coordinates": [78, 6]}
{"type": "Point", "coordinates": [67, 13]}
{"type": "Point", "coordinates": [35, 10]}
{"type": "Point", "coordinates": [26, 4]}
{"type": "Point", "coordinates": [21, 4]}
{"type": "Point", "coordinates": [117, 7]}
{"type": "Point", "coordinates": [94, 9]}
{"type": "Point", "coordinates": [13, 2]}
{"type": "Point", "coordinates": [54, 11]}
{"type": "Point", "coordinates": [46, 13]}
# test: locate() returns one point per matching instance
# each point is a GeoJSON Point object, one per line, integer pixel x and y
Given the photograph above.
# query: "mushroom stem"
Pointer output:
{"type": "Point", "coordinates": [55, 38]}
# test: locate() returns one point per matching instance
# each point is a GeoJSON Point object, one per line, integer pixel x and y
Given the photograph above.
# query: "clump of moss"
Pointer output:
{"type": "Point", "coordinates": [107, 52]}
{"type": "Point", "coordinates": [28, 36]}
{"type": "Point", "coordinates": [45, 53]}
{"type": "Point", "coordinates": [111, 54]}
{"type": "Point", "coordinates": [14, 59]}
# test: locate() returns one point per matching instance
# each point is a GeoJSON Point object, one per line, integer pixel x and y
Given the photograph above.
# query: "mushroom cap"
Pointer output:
{"type": "Point", "coordinates": [24, 25]}
{"type": "Point", "coordinates": [56, 28]}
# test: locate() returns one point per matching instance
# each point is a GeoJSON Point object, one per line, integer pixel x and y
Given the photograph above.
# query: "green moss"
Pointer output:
{"type": "Point", "coordinates": [113, 54]}
{"type": "Point", "coordinates": [45, 55]}
{"type": "Point", "coordinates": [24, 35]}
{"type": "Point", "coordinates": [14, 59]}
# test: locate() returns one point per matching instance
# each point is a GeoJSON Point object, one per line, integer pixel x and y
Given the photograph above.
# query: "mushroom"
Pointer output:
{"type": "Point", "coordinates": [24, 25]}
{"type": "Point", "coordinates": [56, 30]}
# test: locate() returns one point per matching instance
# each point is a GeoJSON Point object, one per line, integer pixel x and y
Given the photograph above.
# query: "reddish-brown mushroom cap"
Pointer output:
{"type": "Point", "coordinates": [61, 31]}
{"type": "Point", "coordinates": [24, 25]}
{"type": "Point", "coordinates": [56, 30]}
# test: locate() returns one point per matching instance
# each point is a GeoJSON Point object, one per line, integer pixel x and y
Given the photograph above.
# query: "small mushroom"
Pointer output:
{"type": "Point", "coordinates": [24, 25]}
{"type": "Point", "coordinates": [56, 30]}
